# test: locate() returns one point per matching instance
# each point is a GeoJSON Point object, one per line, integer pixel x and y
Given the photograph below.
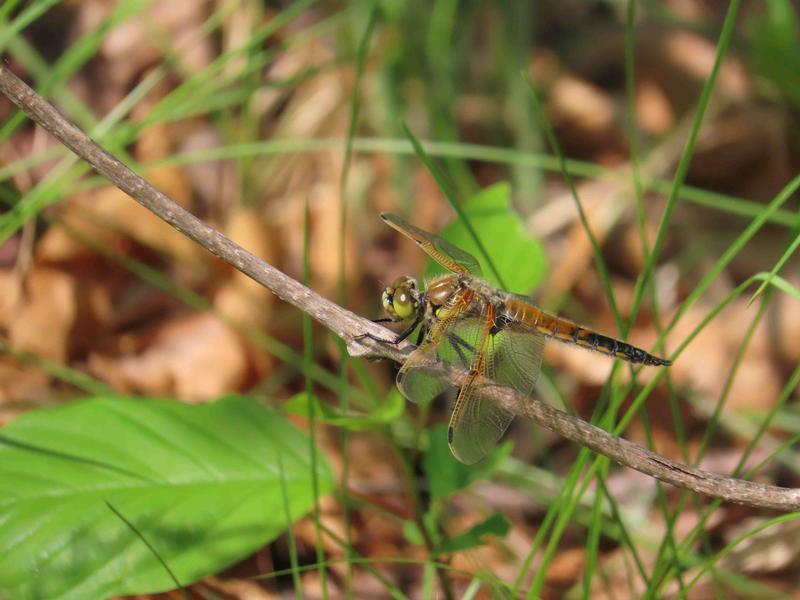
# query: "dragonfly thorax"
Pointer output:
{"type": "Point", "coordinates": [440, 290]}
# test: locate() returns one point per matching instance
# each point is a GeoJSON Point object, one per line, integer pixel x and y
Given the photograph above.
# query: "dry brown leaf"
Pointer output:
{"type": "Point", "coordinates": [603, 209]}
{"type": "Point", "coordinates": [20, 382]}
{"type": "Point", "coordinates": [373, 466]}
{"type": "Point", "coordinates": [241, 299]}
{"type": "Point", "coordinates": [241, 589]}
{"type": "Point", "coordinates": [137, 43]}
{"type": "Point", "coordinates": [772, 549]}
{"type": "Point", "coordinates": [744, 150]}
{"type": "Point", "coordinates": [566, 566]}
{"type": "Point", "coordinates": [306, 533]}
{"type": "Point", "coordinates": [588, 107]}
{"type": "Point", "coordinates": [41, 322]}
{"type": "Point", "coordinates": [705, 363]}
{"type": "Point", "coordinates": [195, 358]}
{"type": "Point", "coordinates": [317, 108]}
{"type": "Point", "coordinates": [383, 537]}
{"type": "Point", "coordinates": [654, 112]}
{"type": "Point", "coordinates": [10, 295]}
{"type": "Point", "coordinates": [106, 216]}
{"type": "Point", "coordinates": [215, 183]}
{"type": "Point", "coordinates": [785, 323]}
{"type": "Point", "coordinates": [696, 54]}
{"type": "Point", "coordinates": [38, 315]}
{"type": "Point", "coordinates": [326, 234]}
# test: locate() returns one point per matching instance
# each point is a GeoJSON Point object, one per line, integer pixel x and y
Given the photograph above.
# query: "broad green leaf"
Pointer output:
{"type": "Point", "coordinates": [202, 484]}
{"type": "Point", "coordinates": [496, 525]}
{"type": "Point", "coordinates": [447, 475]}
{"type": "Point", "coordinates": [520, 259]}
{"type": "Point", "coordinates": [388, 411]}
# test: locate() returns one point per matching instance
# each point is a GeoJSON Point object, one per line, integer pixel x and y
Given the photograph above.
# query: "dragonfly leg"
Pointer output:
{"type": "Point", "coordinates": [407, 332]}
{"type": "Point", "coordinates": [459, 344]}
{"type": "Point", "coordinates": [400, 336]}
{"type": "Point", "coordinates": [374, 338]}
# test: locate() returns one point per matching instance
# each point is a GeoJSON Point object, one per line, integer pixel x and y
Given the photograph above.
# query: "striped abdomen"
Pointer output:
{"type": "Point", "coordinates": [566, 331]}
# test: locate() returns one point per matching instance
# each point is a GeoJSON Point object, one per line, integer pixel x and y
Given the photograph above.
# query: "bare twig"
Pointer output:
{"type": "Point", "coordinates": [350, 327]}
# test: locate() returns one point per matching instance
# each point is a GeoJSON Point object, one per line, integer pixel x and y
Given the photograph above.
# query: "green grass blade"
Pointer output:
{"type": "Point", "coordinates": [150, 547]}
{"type": "Point", "coordinates": [790, 250]}
{"type": "Point", "coordinates": [287, 510]}
{"type": "Point", "coordinates": [735, 248]}
{"type": "Point", "coordinates": [602, 269]}
{"type": "Point", "coordinates": [308, 359]}
{"type": "Point", "coordinates": [344, 401]}
{"type": "Point", "coordinates": [475, 152]}
{"type": "Point", "coordinates": [685, 159]}
{"type": "Point", "coordinates": [450, 194]}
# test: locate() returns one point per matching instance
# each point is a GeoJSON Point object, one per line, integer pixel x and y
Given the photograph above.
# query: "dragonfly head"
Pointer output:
{"type": "Point", "coordinates": [401, 299]}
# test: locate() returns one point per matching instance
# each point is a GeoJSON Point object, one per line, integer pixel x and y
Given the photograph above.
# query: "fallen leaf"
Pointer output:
{"type": "Point", "coordinates": [195, 358]}
{"type": "Point", "coordinates": [41, 322]}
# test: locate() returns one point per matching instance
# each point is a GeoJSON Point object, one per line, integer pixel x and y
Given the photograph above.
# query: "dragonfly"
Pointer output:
{"type": "Point", "coordinates": [495, 337]}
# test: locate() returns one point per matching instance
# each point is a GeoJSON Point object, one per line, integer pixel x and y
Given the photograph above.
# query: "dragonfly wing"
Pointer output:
{"type": "Point", "coordinates": [421, 378]}
{"type": "Point", "coordinates": [512, 358]}
{"type": "Point", "coordinates": [476, 424]}
{"type": "Point", "coordinates": [516, 358]}
{"type": "Point", "coordinates": [446, 254]}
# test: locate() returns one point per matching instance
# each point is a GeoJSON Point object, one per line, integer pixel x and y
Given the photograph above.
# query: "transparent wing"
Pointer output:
{"type": "Point", "coordinates": [421, 379]}
{"type": "Point", "coordinates": [513, 358]}
{"type": "Point", "coordinates": [446, 254]}
{"type": "Point", "coordinates": [510, 357]}
{"type": "Point", "coordinates": [418, 379]}
{"type": "Point", "coordinates": [516, 353]}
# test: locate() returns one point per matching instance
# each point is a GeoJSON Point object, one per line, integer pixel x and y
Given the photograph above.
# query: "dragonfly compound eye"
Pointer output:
{"type": "Point", "coordinates": [401, 299]}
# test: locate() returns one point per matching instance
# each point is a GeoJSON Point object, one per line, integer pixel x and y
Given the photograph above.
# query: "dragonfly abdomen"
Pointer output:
{"type": "Point", "coordinates": [618, 348]}
{"type": "Point", "coordinates": [570, 332]}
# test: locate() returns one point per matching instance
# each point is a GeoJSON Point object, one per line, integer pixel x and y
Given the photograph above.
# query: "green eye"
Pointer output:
{"type": "Point", "coordinates": [400, 300]}
{"type": "Point", "coordinates": [403, 303]}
